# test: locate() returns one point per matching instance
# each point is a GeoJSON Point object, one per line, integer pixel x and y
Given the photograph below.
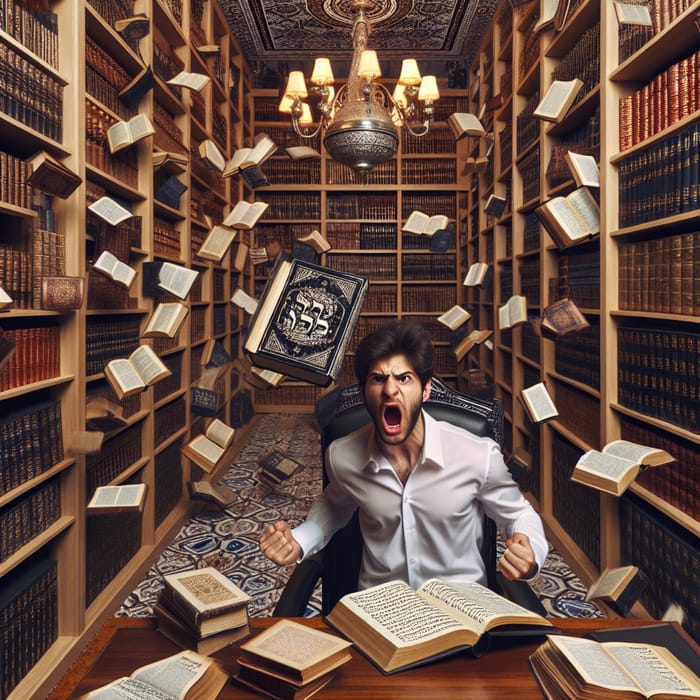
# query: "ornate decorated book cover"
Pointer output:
{"type": "Point", "coordinates": [305, 319]}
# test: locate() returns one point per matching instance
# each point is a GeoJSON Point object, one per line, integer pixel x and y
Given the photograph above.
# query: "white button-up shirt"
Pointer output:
{"type": "Point", "coordinates": [433, 525]}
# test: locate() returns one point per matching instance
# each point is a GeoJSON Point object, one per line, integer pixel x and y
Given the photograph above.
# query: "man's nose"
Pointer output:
{"type": "Point", "coordinates": [391, 386]}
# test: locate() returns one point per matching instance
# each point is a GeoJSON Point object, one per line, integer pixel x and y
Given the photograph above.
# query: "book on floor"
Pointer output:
{"type": "Point", "coordinates": [295, 652]}
{"type": "Point", "coordinates": [114, 268]}
{"type": "Point", "coordinates": [186, 675]}
{"type": "Point", "coordinates": [423, 224]}
{"type": "Point", "coordinates": [208, 449]}
{"type": "Point", "coordinates": [166, 319]}
{"type": "Point", "coordinates": [557, 100]}
{"type": "Point", "coordinates": [561, 318]}
{"type": "Point", "coordinates": [207, 599]}
{"type": "Point", "coordinates": [129, 375]}
{"type": "Point", "coordinates": [399, 628]}
{"type": "Point", "coordinates": [51, 176]}
{"type": "Point", "coordinates": [465, 124]}
{"type": "Point", "coordinates": [276, 467]}
{"type": "Point", "coordinates": [123, 134]}
{"type": "Point", "coordinates": [538, 402]}
{"type": "Point", "coordinates": [617, 465]}
{"type": "Point", "coordinates": [513, 312]}
{"type": "Point", "coordinates": [215, 494]}
{"type": "Point", "coordinates": [122, 498]}
{"type": "Point", "coordinates": [570, 219]}
{"type": "Point", "coordinates": [305, 320]}
{"type": "Point", "coordinates": [571, 667]}
{"type": "Point", "coordinates": [619, 587]}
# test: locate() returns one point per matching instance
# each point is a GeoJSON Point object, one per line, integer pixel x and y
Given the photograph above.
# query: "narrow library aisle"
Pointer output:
{"type": "Point", "coordinates": [227, 539]}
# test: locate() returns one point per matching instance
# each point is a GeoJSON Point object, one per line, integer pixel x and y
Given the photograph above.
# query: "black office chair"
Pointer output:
{"type": "Point", "coordinates": [338, 564]}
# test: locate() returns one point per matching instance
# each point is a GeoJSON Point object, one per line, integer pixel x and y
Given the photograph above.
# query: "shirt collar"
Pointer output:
{"type": "Point", "coordinates": [432, 454]}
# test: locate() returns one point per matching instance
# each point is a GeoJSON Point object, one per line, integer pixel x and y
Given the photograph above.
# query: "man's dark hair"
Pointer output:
{"type": "Point", "coordinates": [399, 337]}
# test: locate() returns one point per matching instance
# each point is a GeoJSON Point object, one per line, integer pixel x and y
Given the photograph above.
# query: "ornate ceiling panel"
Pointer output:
{"type": "Point", "coordinates": [272, 32]}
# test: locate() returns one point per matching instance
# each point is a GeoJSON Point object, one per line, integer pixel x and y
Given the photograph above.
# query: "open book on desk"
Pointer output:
{"type": "Point", "coordinates": [398, 628]}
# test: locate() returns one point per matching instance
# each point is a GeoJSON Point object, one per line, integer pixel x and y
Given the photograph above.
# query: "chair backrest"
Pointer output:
{"type": "Point", "coordinates": [343, 411]}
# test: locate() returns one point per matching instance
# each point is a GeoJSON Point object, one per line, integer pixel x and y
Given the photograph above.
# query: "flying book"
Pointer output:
{"type": "Point", "coordinates": [111, 266]}
{"type": "Point", "coordinates": [166, 320]}
{"type": "Point", "coordinates": [129, 375]}
{"type": "Point", "coordinates": [191, 81]}
{"type": "Point", "coordinates": [301, 152]}
{"type": "Point", "coordinates": [617, 465]}
{"type": "Point", "coordinates": [553, 14]}
{"type": "Point", "coordinates": [210, 154]}
{"type": "Point", "coordinates": [51, 176]}
{"type": "Point", "coordinates": [476, 275]}
{"type": "Point", "coordinates": [126, 133]}
{"type": "Point", "coordinates": [170, 191]}
{"type": "Point", "coordinates": [539, 403]}
{"type": "Point", "coordinates": [6, 300]}
{"type": "Point", "coordinates": [495, 206]}
{"type": "Point", "coordinates": [264, 378]}
{"type": "Point", "coordinates": [242, 299]}
{"type": "Point", "coordinates": [137, 87]}
{"type": "Point", "coordinates": [168, 159]}
{"type": "Point", "coordinates": [293, 653]}
{"type": "Point", "coordinates": [465, 124]}
{"type": "Point", "coordinates": [208, 449]}
{"type": "Point", "coordinates": [215, 355]}
{"type": "Point", "coordinates": [629, 14]}
{"type": "Point", "coordinates": [240, 257]}
{"type": "Point", "coordinates": [316, 240]}
{"type": "Point", "coordinates": [470, 341]}
{"type": "Point", "coordinates": [557, 100]}
{"type": "Point", "coordinates": [110, 210]}
{"type": "Point", "coordinates": [103, 415]}
{"type": "Point", "coordinates": [277, 467]}
{"type": "Point", "coordinates": [562, 317]}
{"type": "Point", "coordinates": [513, 312]}
{"type": "Point", "coordinates": [85, 442]}
{"type": "Point", "coordinates": [245, 214]}
{"type": "Point", "coordinates": [584, 169]}
{"type": "Point", "coordinates": [454, 317]}
{"type": "Point", "coordinates": [422, 224]}
{"type": "Point", "coordinates": [242, 158]}
{"type": "Point", "coordinates": [176, 279]}
{"type": "Point", "coordinates": [254, 177]}
{"type": "Point", "coordinates": [61, 293]}
{"type": "Point", "coordinates": [398, 628]}
{"type": "Point", "coordinates": [217, 494]}
{"type": "Point", "coordinates": [305, 320]}
{"type": "Point", "coordinates": [217, 243]}
{"type": "Point", "coordinates": [186, 675]}
{"type": "Point", "coordinates": [124, 498]}
{"type": "Point", "coordinates": [619, 587]}
{"type": "Point", "coordinates": [135, 27]}
{"type": "Point", "coordinates": [570, 219]}
{"type": "Point", "coordinates": [475, 164]}
{"type": "Point", "coordinates": [570, 667]}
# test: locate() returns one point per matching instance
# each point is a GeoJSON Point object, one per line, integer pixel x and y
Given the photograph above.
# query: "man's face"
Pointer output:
{"type": "Point", "coordinates": [393, 396]}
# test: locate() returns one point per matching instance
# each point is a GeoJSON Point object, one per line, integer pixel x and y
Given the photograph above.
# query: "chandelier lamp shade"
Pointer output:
{"type": "Point", "coordinates": [360, 122]}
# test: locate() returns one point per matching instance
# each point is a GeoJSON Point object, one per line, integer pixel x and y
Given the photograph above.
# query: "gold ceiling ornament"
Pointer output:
{"type": "Point", "coordinates": [360, 121]}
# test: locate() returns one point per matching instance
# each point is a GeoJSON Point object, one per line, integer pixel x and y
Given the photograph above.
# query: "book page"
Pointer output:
{"type": "Point", "coordinates": [628, 450]}
{"type": "Point", "coordinates": [416, 222]}
{"type": "Point", "coordinates": [607, 584]}
{"type": "Point", "coordinates": [400, 614]}
{"type": "Point", "coordinates": [573, 225]}
{"type": "Point", "coordinates": [174, 675]}
{"type": "Point", "coordinates": [125, 374]}
{"type": "Point", "coordinates": [539, 402]}
{"type": "Point", "coordinates": [207, 448]}
{"type": "Point", "coordinates": [219, 432]}
{"type": "Point", "coordinates": [125, 495]}
{"type": "Point", "coordinates": [584, 168]}
{"type": "Point", "coordinates": [165, 316]}
{"type": "Point", "coordinates": [140, 127]}
{"type": "Point", "coordinates": [586, 208]}
{"type": "Point", "coordinates": [147, 363]}
{"type": "Point", "coordinates": [176, 279]}
{"type": "Point", "coordinates": [129, 689]}
{"type": "Point", "coordinates": [118, 135]}
{"type": "Point", "coordinates": [474, 605]}
{"type": "Point", "coordinates": [607, 465]}
{"type": "Point", "coordinates": [265, 309]}
{"type": "Point", "coordinates": [111, 211]}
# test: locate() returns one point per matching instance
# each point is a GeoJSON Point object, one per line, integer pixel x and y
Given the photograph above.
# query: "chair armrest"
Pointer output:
{"type": "Point", "coordinates": [296, 594]}
{"type": "Point", "coordinates": [520, 592]}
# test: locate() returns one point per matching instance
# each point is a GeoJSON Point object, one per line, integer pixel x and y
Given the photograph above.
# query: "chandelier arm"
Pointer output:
{"type": "Point", "coordinates": [419, 130]}
{"type": "Point", "coordinates": [302, 133]}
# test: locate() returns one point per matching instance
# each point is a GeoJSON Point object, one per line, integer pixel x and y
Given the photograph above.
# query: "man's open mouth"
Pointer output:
{"type": "Point", "coordinates": [392, 418]}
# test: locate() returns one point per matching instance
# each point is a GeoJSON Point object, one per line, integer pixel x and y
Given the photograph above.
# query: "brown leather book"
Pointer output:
{"type": "Point", "coordinates": [62, 293]}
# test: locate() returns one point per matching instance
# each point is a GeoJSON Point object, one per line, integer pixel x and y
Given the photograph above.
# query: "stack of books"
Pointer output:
{"type": "Point", "coordinates": [291, 661]}
{"type": "Point", "coordinates": [202, 610]}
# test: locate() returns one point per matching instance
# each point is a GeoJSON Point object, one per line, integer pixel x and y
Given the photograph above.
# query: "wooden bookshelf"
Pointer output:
{"type": "Point", "coordinates": [622, 280]}
{"type": "Point", "coordinates": [81, 62]}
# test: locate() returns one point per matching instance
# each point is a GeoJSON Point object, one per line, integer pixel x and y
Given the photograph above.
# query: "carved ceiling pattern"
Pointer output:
{"type": "Point", "coordinates": [272, 32]}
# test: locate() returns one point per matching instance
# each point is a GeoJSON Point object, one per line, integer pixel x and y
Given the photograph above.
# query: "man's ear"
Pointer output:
{"type": "Point", "coordinates": [426, 389]}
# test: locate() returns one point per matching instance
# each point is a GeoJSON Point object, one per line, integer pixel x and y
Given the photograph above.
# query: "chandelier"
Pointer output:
{"type": "Point", "coordinates": [360, 121]}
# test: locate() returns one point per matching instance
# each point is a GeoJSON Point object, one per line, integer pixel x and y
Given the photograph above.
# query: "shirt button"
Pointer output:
{"type": "Point", "coordinates": [411, 561]}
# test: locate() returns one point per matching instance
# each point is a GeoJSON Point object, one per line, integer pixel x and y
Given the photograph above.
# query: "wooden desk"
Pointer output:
{"type": "Point", "coordinates": [124, 644]}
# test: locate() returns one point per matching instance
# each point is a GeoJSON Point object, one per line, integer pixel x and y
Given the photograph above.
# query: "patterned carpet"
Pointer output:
{"type": "Point", "coordinates": [228, 539]}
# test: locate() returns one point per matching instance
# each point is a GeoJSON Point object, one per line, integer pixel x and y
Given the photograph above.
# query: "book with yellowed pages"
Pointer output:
{"type": "Point", "coordinates": [569, 668]}
{"type": "Point", "coordinates": [189, 80]}
{"type": "Point", "coordinates": [617, 465]}
{"type": "Point", "coordinates": [6, 301]}
{"type": "Point", "coordinates": [186, 675]}
{"type": "Point", "coordinates": [454, 317]}
{"type": "Point", "coordinates": [210, 153]}
{"type": "Point", "coordinates": [301, 152]}
{"type": "Point", "coordinates": [470, 341]}
{"type": "Point", "coordinates": [166, 320]}
{"type": "Point", "coordinates": [422, 224]}
{"type": "Point", "coordinates": [208, 449]}
{"type": "Point", "coordinates": [557, 100]}
{"type": "Point", "coordinates": [584, 169]}
{"type": "Point", "coordinates": [295, 652]}
{"type": "Point", "coordinates": [216, 494]}
{"type": "Point", "coordinates": [539, 403]}
{"type": "Point", "coordinates": [248, 157]}
{"type": "Point", "coordinates": [619, 587]}
{"type": "Point", "coordinates": [245, 215]}
{"type": "Point", "coordinates": [465, 124]}
{"type": "Point", "coordinates": [217, 243]}
{"type": "Point", "coordinates": [316, 240]}
{"type": "Point", "coordinates": [129, 375]}
{"type": "Point", "coordinates": [125, 133]}
{"type": "Point", "coordinates": [513, 312]}
{"type": "Point", "coordinates": [399, 628]}
{"type": "Point", "coordinates": [572, 218]}
{"type": "Point", "coordinates": [476, 274]}
{"type": "Point", "coordinates": [120, 498]}
{"type": "Point", "coordinates": [117, 270]}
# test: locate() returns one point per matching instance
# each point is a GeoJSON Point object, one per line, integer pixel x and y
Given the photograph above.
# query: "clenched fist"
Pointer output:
{"type": "Point", "coordinates": [278, 544]}
{"type": "Point", "coordinates": [518, 561]}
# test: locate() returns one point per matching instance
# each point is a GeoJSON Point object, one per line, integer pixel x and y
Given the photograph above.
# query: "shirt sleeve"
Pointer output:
{"type": "Point", "coordinates": [505, 504]}
{"type": "Point", "coordinates": [329, 512]}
